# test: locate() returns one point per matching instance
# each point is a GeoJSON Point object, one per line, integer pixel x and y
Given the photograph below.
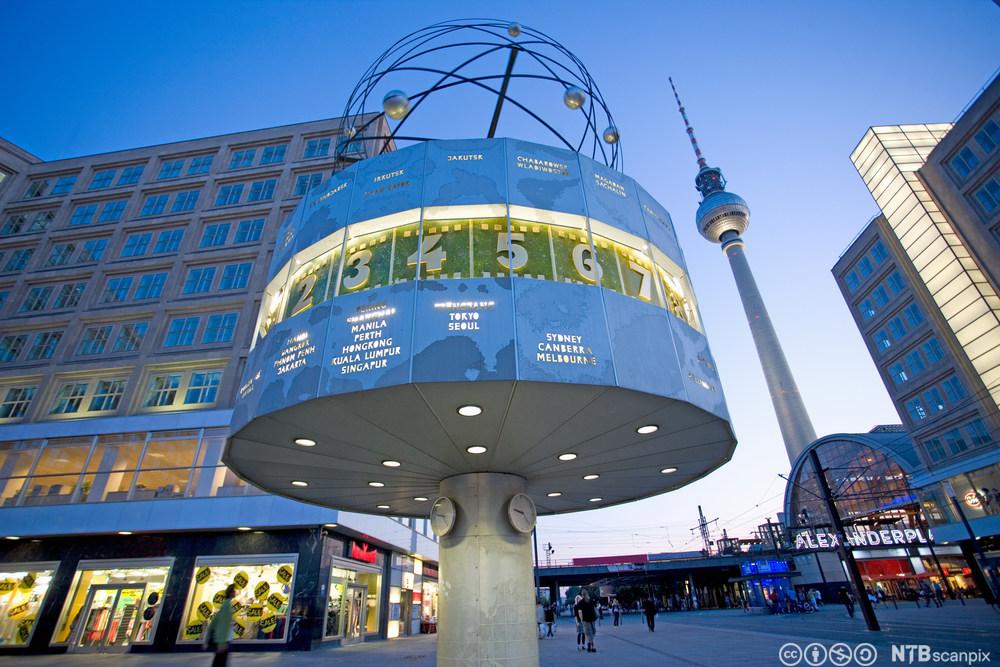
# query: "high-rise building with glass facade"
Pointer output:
{"type": "Point", "coordinates": [129, 286]}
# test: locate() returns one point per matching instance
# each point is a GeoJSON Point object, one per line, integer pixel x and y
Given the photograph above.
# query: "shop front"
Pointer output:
{"type": "Point", "coordinates": [352, 608]}
{"type": "Point", "coordinates": [261, 610]}
{"type": "Point", "coordinates": [23, 587]}
{"type": "Point", "coordinates": [112, 605]}
{"type": "Point", "coordinates": [429, 600]}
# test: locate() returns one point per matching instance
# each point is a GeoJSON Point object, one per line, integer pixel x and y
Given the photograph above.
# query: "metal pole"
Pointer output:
{"type": "Point", "coordinates": [534, 538]}
{"type": "Point", "coordinates": [503, 91]}
{"type": "Point", "coordinates": [990, 592]}
{"type": "Point", "coordinates": [845, 554]}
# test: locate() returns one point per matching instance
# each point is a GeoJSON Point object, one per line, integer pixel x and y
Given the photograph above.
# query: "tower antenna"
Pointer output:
{"type": "Point", "coordinates": [702, 163]}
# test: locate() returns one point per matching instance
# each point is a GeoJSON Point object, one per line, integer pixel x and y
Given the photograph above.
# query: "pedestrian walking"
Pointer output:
{"type": "Point", "coordinates": [938, 594]}
{"type": "Point", "coordinates": [220, 629]}
{"type": "Point", "coordinates": [586, 613]}
{"type": "Point", "coordinates": [846, 600]}
{"type": "Point", "coordinates": [579, 623]}
{"type": "Point", "coordinates": [649, 609]}
{"type": "Point", "coordinates": [550, 620]}
{"type": "Point", "coordinates": [616, 613]}
{"type": "Point", "coordinates": [539, 617]}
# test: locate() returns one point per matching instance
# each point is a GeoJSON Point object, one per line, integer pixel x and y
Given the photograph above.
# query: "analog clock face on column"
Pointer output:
{"type": "Point", "coordinates": [521, 513]}
{"type": "Point", "coordinates": [442, 516]}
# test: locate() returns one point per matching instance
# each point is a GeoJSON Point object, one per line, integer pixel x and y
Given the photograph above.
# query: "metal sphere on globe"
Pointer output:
{"type": "Point", "coordinates": [351, 132]}
{"type": "Point", "coordinates": [514, 30]}
{"type": "Point", "coordinates": [611, 135]}
{"type": "Point", "coordinates": [574, 97]}
{"type": "Point", "coordinates": [396, 104]}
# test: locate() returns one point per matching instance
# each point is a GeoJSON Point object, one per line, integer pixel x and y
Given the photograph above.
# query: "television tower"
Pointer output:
{"type": "Point", "coordinates": [722, 218]}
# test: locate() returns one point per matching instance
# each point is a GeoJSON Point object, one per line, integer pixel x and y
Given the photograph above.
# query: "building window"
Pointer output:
{"type": "Point", "coordinates": [168, 241]}
{"type": "Point", "coordinates": [203, 387]}
{"type": "Point", "coordinates": [915, 409]}
{"type": "Point", "coordinates": [898, 374]}
{"type": "Point", "coordinates": [220, 328]}
{"type": "Point", "coordinates": [262, 190]}
{"type": "Point", "coordinates": [102, 179]}
{"type": "Point", "coordinates": [273, 154]}
{"type": "Point", "coordinates": [130, 337]}
{"type": "Point", "coordinates": [307, 182]}
{"type": "Point", "coordinates": [954, 389]}
{"type": "Point", "coordinates": [116, 290]}
{"type": "Point", "coordinates": [162, 390]}
{"type": "Point", "coordinates": [935, 449]}
{"type": "Point", "coordinates": [235, 276]}
{"type": "Point", "coordinates": [932, 350]}
{"type": "Point", "coordinates": [895, 282]}
{"type": "Point", "coordinates": [896, 328]}
{"type": "Point", "coordinates": [215, 235]}
{"type": "Point", "coordinates": [879, 253]}
{"type": "Point", "coordinates": [865, 266]}
{"type": "Point", "coordinates": [913, 314]}
{"type": "Point", "coordinates": [881, 296]}
{"type": "Point", "coordinates": [964, 162]}
{"type": "Point", "coordinates": [44, 345]}
{"type": "Point", "coordinates": [153, 205]}
{"type": "Point", "coordinates": [200, 165]}
{"type": "Point", "coordinates": [185, 201]}
{"type": "Point", "coordinates": [36, 299]}
{"type": "Point", "coordinates": [16, 401]}
{"type": "Point", "coordinates": [83, 215]}
{"type": "Point", "coordinates": [317, 148]}
{"type": "Point", "coordinates": [867, 309]}
{"type": "Point", "coordinates": [852, 280]}
{"type": "Point", "coordinates": [882, 341]}
{"type": "Point", "coordinates": [130, 175]}
{"type": "Point", "coordinates": [915, 363]}
{"type": "Point", "coordinates": [93, 250]}
{"type": "Point", "coordinates": [95, 340]}
{"type": "Point", "coordinates": [170, 169]}
{"type": "Point", "coordinates": [242, 159]}
{"type": "Point", "coordinates": [136, 245]}
{"type": "Point", "coordinates": [64, 184]}
{"type": "Point", "coordinates": [181, 332]}
{"type": "Point", "coordinates": [19, 259]}
{"type": "Point", "coordinates": [69, 398]}
{"type": "Point", "coordinates": [69, 295]}
{"type": "Point", "coordinates": [229, 195]}
{"type": "Point", "coordinates": [199, 280]}
{"type": "Point", "coordinates": [150, 286]}
{"type": "Point", "coordinates": [11, 346]}
{"type": "Point", "coordinates": [249, 230]}
{"type": "Point", "coordinates": [989, 136]}
{"type": "Point", "coordinates": [60, 254]}
{"type": "Point", "coordinates": [935, 402]}
{"type": "Point", "coordinates": [978, 433]}
{"type": "Point", "coordinates": [13, 225]}
{"type": "Point", "coordinates": [989, 195]}
{"type": "Point", "coordinates": [107, 395]}
{"type": "Point", "coordinates": [36, 189]}
{"type": "Point", "coordinates": [956, 443]}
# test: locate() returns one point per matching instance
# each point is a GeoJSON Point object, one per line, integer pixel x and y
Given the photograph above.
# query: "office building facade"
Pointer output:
{"type": "Point", "coordinates": [129, 287]}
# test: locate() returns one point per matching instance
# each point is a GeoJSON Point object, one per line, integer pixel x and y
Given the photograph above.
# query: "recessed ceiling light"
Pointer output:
{"type": "Point", "coordinates": [554, 494]}
{"type": "Point", "coordinates": [124, 532]}
{"type": "Point", "coordinates": [299, 482]}
{"type": "Point", "coordinates": [568, 456]}
{"type": "Point", "coordinates": [647, 429]}
{"type": "Point", "coordinates": [377, 485]}
{"type": "Point", "coordinates": [244, 528]}
{"type": "Point", "coordinates": [667, 471]}
{"type": "Point", "coordinates": [596, 500]}
{"type": "Point", "coordinates": [305, 442]}
{"type": "Point", "coordinates": [12, 537]}
{"type": "Point", "coordinates": [591, 476]}
{"type": "Point", "coordinates": [470, 410]}
{"type": "Point", "coordinates": [476, 449]}
{"type": "Point", "coordinates": [421, 499]}
{"type": "Point", "coordinates": [329, 525]}
{"type": "Point", "coordinates": [382, 507]}
{"type": "Point", "coordinates": [391, 464]}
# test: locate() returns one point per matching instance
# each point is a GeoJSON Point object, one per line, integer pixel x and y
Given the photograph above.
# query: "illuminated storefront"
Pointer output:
{"type": "Point", "coordinates": [354, 599]}
{"type": "Point", "coordinates": [22, 590]}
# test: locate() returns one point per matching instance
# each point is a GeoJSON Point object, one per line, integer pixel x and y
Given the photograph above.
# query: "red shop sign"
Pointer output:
{"type": "Point", "coordinates": [366, 553]}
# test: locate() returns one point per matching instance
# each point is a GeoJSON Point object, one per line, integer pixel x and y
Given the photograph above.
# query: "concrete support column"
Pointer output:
{"type": "Point", "coordinates": [486, 598]}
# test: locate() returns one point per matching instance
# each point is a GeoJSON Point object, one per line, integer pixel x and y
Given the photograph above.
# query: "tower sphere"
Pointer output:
{"type": "Point", "coordinates": [722, 212]}
{"type": "Point", "coordinates": [574, 97]}
{"type": "Point", "coordinates": [611, 135]}
{"type": "Point", "coordinates": [396, 104]}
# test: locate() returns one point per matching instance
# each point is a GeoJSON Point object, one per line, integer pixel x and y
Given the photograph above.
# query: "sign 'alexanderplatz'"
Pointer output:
{"type": "Point", "coordinates": [479, 331]}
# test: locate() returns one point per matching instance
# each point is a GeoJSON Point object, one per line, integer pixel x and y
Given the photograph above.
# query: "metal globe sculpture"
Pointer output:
{"type": "Point", "coordinates": [611, 135]}
{"type": "Point", "coordinates": [396, 104]}
{"type": "Point", "coordinates": [449, 58]}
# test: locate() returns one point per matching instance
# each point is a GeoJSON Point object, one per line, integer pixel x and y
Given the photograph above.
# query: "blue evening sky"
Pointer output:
{"type": "Point", "coordinates": [779, 94]}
